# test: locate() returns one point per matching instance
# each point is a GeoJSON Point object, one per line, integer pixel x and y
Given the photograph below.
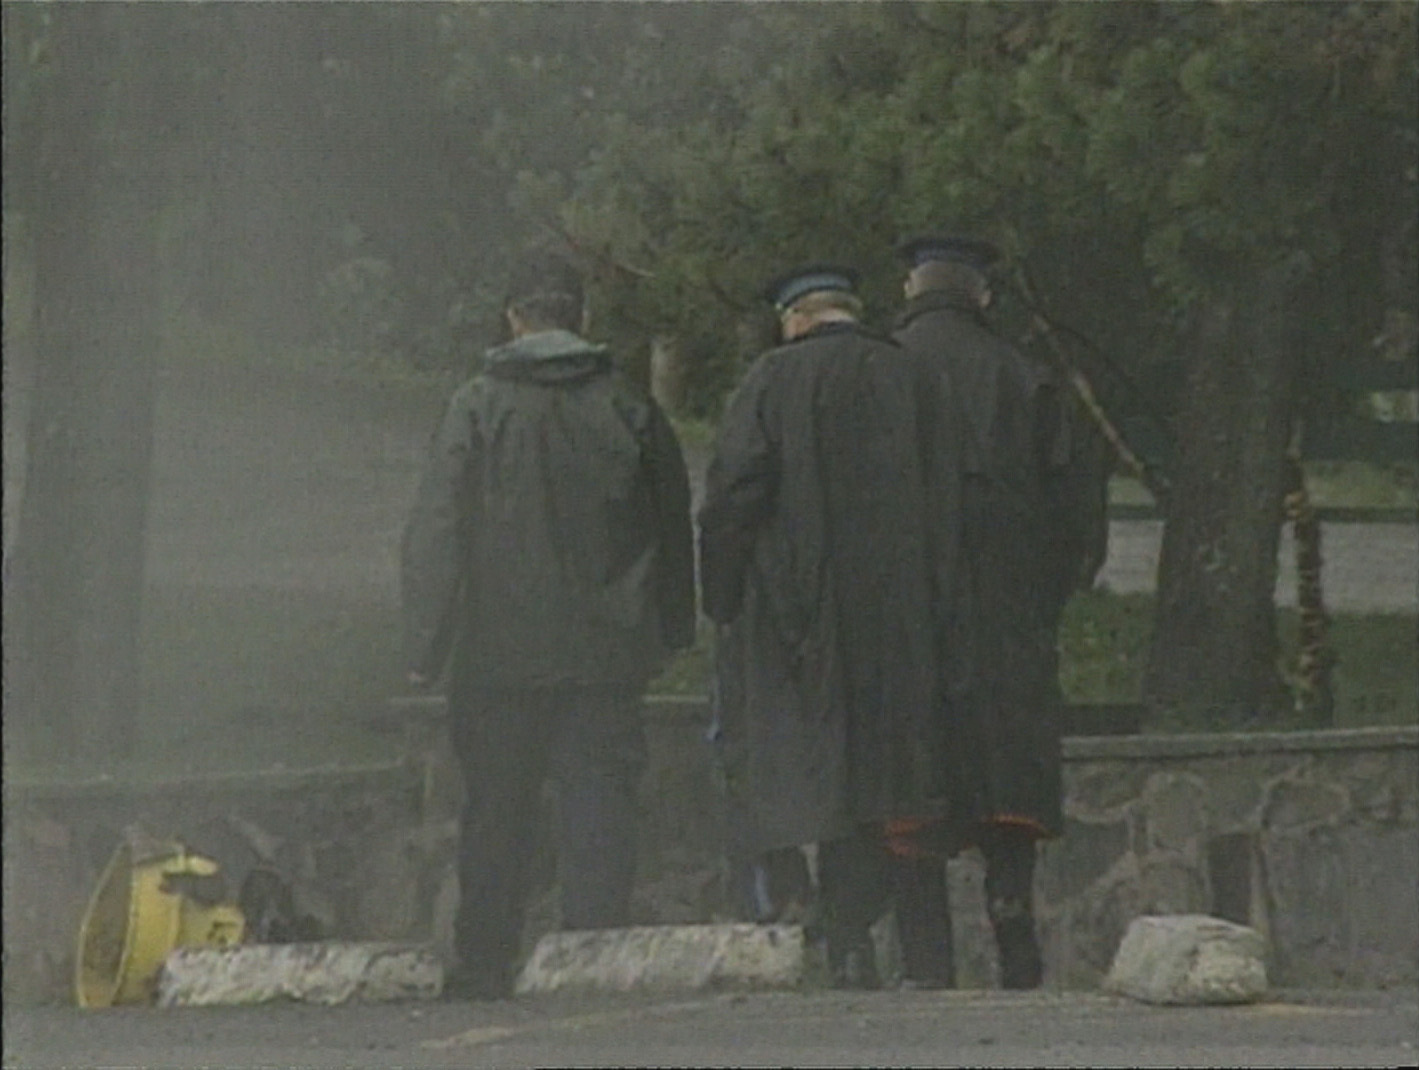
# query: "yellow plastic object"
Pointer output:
{"type": "Point", "coordinates": [135, 919]}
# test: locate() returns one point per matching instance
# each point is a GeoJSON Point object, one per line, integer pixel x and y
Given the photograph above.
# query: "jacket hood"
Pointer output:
{"type": "Point", "coordinates": [548, 357]}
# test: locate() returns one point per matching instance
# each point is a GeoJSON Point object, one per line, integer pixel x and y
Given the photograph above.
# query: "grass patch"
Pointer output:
{"type": "Point", "coordinates": [688, 673]}
{"type": "Point", "coordinates": [1358, 484]}
{"type": "Point", "coordinates": [693, 433]}
{"type": "Point", "coordinates": [1376, 680]}
{"type": "Point", "coordinates": [1104, 642]}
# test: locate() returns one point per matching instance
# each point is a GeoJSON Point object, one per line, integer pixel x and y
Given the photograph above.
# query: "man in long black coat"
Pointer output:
{"type": "Point", "coordinates": [828, 536]}
{"type": "Point", "coordinates": [1033, 532]}
{"type": "Point", "coordinates": [550, 552]}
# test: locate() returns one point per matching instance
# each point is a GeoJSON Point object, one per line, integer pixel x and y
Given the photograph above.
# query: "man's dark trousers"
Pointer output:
{"type": "Point", "coordinates": [591, 740]}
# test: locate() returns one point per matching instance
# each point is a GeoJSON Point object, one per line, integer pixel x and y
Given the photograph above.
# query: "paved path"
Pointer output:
{"type": "Point", "coordinates": [1367, 568]}
{"type": "Point", "coordinates": [781, 1029]}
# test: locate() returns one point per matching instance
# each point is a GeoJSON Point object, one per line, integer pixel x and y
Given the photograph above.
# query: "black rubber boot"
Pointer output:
{"type": "Point", "coordinates": [924, 922]}
{"type": "Point", "coordinates": [467, 984]}
{"type": "Point", "coordinates": [1020, 963]}
{"type": "Point", "coordinates": [853, 889]}
{"type": "Point", "coordinates": [1009, 891]}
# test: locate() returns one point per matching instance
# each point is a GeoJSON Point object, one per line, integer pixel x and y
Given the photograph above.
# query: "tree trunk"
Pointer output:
{"type": "Point", "coordinates": [1214, 651]}
{"type": "Point", "coordinates": [77, 568]}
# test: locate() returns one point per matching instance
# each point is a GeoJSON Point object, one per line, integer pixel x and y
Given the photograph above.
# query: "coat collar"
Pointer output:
{"type": "Point", "coordinates": [835, 327]}
{"type": "Point", "coordinates": [547, 356]}
{"type": "Point", "coordinates": [939, 301]}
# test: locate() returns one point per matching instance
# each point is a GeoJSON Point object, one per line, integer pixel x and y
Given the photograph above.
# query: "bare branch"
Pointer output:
{"type": "Point", "coordinates": [1146, 474]}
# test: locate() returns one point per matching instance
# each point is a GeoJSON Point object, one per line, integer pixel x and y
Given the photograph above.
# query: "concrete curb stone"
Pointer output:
{"type": "Point", "coordinates": [667, 958]}
{"type": "Point", "coordinates": [324, 973]}
{"type": "Point", "coordinates": [1190, 960]}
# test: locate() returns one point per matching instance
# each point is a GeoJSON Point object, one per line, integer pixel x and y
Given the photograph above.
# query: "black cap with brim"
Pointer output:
{"type": "Point", "coordinates": [941, 247]}
{"type": "Point", "coordinates": [788, 288]}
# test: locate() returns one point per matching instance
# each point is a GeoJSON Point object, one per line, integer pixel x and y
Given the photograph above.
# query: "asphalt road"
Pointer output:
{"type": "Point", "coordinates": [780, 1029]}
{"type": "Point", "coordinates": [1367, 567]}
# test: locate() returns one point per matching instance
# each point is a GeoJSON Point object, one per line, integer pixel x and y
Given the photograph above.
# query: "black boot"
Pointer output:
{"type": "Point", "coordinates": [465, 983]}
{"type": "Point", "coordinates": [1020, 963]}
{"type": "Point", "coordinates": [1009, 891]}
{"type": "Point", "coordinates": [924, 922]}
{"type": "Point", "coordinates": [853, 895]}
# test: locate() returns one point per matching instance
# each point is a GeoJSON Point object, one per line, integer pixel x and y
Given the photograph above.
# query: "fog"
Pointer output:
{"type": "Point", "coordinates": [247, 250]}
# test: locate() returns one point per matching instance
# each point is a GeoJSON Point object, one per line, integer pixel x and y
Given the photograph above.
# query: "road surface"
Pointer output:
{"type": "Point", "coordinates": [781, 1029]}
{"type": "Point", "coordinates": [1366, 567]}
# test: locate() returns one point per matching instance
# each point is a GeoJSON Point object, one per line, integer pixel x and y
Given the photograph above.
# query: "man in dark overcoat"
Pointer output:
{"type": "Point", "coordinates": [1032, 533]}
{"type": "Point", "coordinates": [550, 552]}
{"type": "Point", "coordinates": [827, 554]}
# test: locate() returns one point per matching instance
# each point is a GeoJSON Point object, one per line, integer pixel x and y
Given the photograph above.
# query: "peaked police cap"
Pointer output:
{"type": "Point", "coordinates": [788, 288]}
{"type": "Point", "coordinates": [928, 247]}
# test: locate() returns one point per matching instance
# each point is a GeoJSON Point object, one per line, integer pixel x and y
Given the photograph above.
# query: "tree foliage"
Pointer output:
{"type": "Point", "coordinates": [1227, 189]}
{"type": "Point", "coordinates": [1129, 155]}
{"type": "Point", "coordinates": [1211, 200]}
{"type": "Point", "coordinates": [1133, 157]}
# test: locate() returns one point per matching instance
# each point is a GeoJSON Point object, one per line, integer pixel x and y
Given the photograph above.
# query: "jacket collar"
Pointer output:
{"type": "Point", "coordinates": [833, 327]}
{"type": "Point", "coordinates": [547, 356]}
{"type": "Point", "coordinates": [939, 301]}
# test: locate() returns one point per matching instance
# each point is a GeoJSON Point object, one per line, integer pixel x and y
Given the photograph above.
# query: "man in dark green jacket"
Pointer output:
{"type": "Point", "coordinates": [550, 558]}
{"type": "Point", "coordinates": [1033, 532]}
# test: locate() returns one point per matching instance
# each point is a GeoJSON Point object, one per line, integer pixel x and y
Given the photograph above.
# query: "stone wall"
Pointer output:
{"type": "Point", "coordinates": [347, 840]}
{"type": "Point", "coordinates": [1311, 837]}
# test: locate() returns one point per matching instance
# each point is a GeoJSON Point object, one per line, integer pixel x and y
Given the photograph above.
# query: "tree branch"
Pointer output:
{"type": "Point", "coordinates": [1149, 476]}
{"type": "Point", "coordinates": [719, 291]}
{"type": "Point", "coordinates": [601, 255]}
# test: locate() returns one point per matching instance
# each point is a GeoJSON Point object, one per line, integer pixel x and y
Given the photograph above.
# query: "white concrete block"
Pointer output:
{"type": "Point", "coordinates": [1189, 959]}
{"type": "Point", "coordinates": [326, 973]}
{"type": "Point", "coordinates": [667, 958]}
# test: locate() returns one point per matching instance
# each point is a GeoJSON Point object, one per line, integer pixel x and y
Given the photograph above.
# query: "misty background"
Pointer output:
{"type": "Point", "coordinates": [249, 249]}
